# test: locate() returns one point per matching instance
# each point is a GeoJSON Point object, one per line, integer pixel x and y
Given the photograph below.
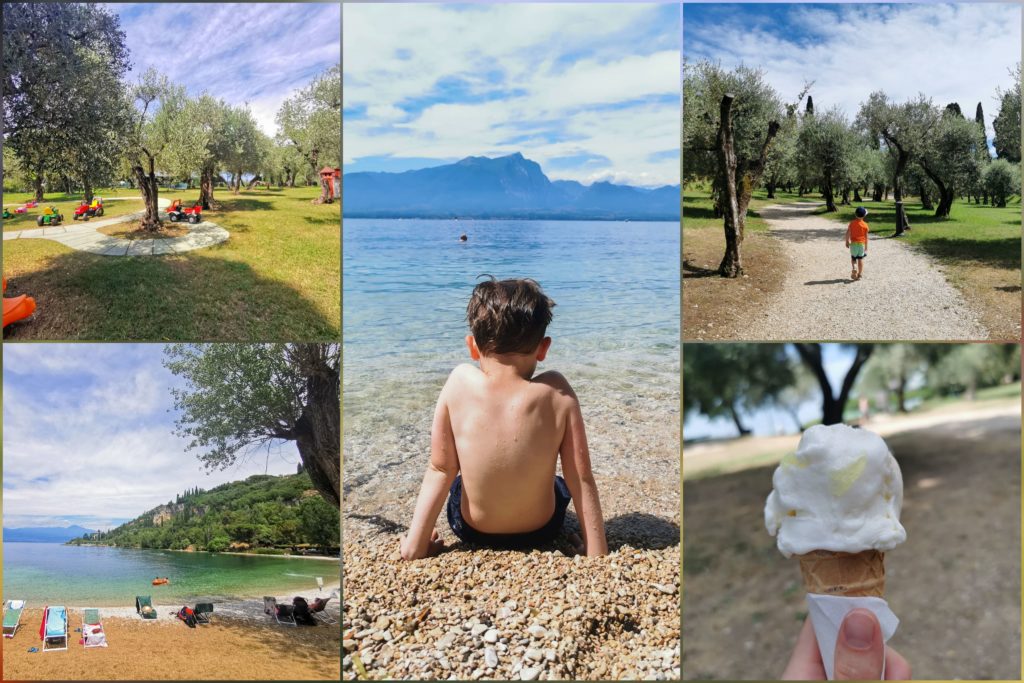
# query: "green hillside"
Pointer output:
{"type": "Point", "coordinates": [262, 514]}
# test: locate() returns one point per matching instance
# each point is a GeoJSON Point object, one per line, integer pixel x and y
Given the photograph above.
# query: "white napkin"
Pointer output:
{"type": "Point", "coordinates": [827, 613]}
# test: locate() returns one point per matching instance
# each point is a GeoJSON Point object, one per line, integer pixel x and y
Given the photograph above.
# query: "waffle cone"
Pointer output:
{"type": "Point", "coordinates": [850, 574]}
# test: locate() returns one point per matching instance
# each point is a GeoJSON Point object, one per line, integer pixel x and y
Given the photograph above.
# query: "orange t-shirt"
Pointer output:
{"type": "Point", "coordinates": [859, 230]}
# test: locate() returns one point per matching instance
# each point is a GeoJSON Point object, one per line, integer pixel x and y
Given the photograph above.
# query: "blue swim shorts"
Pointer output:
{"type": "Point", "coordinates": [527, 539]}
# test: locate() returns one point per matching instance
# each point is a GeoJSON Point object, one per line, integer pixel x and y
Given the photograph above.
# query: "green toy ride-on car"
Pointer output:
{"type": "Point", "coordinates": [49, 216]}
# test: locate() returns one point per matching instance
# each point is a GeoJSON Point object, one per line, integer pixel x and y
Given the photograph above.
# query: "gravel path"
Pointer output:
{"type": "Point", "coordinates": [902, 296]}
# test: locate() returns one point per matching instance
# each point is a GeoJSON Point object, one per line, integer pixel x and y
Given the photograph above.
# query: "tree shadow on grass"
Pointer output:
{"type": "Point", "coordinates": [692, 271]}
{"type": "Point", "coordinates": [233, 203]}
{"type": "Point", "coordinates": [701, 212]}
{"type": "Point", "coordinates": [194, 297]}
{"type": "Point", "coordinates": [323, 220]}
{"type": "Point", "coordinates": [998, 253]}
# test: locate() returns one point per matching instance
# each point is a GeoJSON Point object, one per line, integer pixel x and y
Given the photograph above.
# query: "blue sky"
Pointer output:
{"type": "Point", "coordinates": [952, 53]}
{"type": "Point", "coordinates": [589, 91]}
{"type": "Point", "coordinates": [88, 436]}
{"type": "Point", "coordinates": [258, 53]}
{"type": "Point", "coordinates": [768, 421]}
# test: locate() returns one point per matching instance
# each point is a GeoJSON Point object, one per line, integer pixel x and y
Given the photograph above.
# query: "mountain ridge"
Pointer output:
{"type": "Point", "coordinates": [506, 187]}
{"type": "Point", "coordinates": [262, 513]}
{"type": "Point", "coordinates": [44, 534]}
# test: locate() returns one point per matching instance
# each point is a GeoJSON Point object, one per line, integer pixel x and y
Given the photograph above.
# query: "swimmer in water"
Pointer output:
{"type": "Point", "coordinates": [463, 237]}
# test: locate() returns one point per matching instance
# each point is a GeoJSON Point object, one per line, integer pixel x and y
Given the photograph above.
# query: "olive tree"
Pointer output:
{"type": "Point", "coordinates": [1001, 180]}
{"type": "Point", "coordinates": [238, 397]}
{"type": "Point", "coordinates": [900, 129]}
{"type": "Point", "coordinates": [729, 121]}
{"type": "Point", "coordinates": [165, 136]}
{"type": "Point", "coordinates": [310, 121]}
{"type": "Point", "coordinates": [63, 99]}
{"type": "Point", "coordinates": [949, 158]}
{"type": "Point", "coordinates": [1007, 122]}
{"type": "Point", "coordinates": [825, 151]}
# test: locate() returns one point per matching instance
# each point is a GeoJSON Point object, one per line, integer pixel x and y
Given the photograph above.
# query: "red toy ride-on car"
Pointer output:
{"type": "Point", "coordinates": [85, 210]}
{"type": "Point", "coordinates": [177, 212]}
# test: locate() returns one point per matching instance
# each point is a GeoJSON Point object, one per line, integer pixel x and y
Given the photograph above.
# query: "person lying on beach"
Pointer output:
{"type": "Point", "coordinates": [497, 435]}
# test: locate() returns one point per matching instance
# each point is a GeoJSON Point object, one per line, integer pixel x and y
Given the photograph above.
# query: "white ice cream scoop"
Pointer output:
{"type": "Point", "coordinates": [841, 491]}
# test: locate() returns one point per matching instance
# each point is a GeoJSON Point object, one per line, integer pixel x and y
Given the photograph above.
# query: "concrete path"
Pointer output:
{"type": "Point", "coordinates": [903, 296]}
{"type": "Point", "coordinates": [87, 237]}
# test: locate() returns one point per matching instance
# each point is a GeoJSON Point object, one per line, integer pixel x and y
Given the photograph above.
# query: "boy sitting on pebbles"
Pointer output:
{"type": "Point", "coordinates": [497, 433]}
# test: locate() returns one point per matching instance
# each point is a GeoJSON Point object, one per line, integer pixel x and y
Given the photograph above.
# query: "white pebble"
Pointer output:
{"type": "Point", "coordinates": [529, 673]}
{"type": "Point", "coordinates": [490, 657]}
{"type": "Point", "coordinates": [491, 636]}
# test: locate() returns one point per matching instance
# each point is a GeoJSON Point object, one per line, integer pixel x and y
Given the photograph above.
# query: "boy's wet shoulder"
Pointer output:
{"type": "Point", "coordinates": [555, 380]}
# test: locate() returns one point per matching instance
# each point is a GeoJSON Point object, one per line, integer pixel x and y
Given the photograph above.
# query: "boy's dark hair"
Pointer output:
{"type": "Point", "coordinates": [508, 316]}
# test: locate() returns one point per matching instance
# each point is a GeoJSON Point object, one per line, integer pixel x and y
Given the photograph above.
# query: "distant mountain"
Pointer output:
{"type": "Point", "coordinates": [505, 187]}
{"type": "Point", "coordinates": [45, 534]}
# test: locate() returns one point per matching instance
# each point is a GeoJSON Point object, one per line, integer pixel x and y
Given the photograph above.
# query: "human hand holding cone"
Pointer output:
{"type": "Point", "coordinates": [835, 506]}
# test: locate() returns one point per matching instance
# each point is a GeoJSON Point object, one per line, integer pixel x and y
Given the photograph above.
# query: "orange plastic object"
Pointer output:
{"type": "Point", "coordinates": [18, 308]}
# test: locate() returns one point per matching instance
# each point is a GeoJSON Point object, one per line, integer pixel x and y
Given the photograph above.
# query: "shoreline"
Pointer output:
{"type": "Point", "coordinates": [236, 605]}
{"type": "Point", "coordinates": [329, 558]}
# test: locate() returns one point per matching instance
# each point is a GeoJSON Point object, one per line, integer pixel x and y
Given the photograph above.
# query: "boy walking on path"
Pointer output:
{"type": "Point", "coordinates": [498, 433]}
{"type": "Point", "coordinates": [857, 242]}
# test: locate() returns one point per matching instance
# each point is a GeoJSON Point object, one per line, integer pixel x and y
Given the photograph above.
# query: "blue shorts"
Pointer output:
{"type": "Point", "coordinates": [527, 539]}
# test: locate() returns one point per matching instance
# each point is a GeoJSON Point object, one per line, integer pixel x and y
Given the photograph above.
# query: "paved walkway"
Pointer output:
{"type": "Point", "coordinates": [87, 237]}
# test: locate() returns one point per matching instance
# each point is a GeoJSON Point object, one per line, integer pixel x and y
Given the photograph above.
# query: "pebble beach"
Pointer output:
{"type": "Point", "coordinates": [544, 615]}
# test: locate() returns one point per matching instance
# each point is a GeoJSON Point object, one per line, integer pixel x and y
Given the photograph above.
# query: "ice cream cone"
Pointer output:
{"type": "Point", "coordinates": [850, 574]}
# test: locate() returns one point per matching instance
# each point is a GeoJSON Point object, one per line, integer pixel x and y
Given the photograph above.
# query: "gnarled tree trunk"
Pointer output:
{"type": "Point", "coordinates": [150, 193]}
{"type": "Point", "coordinates": [738, 185]}
{"type": "Point", "coordinates": [318, 429]}
{"type": "Point", "coordinates": [206, 187]}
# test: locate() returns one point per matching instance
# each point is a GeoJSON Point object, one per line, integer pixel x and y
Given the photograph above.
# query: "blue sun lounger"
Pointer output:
{"type": "Point", "coordinates": [54, 629]}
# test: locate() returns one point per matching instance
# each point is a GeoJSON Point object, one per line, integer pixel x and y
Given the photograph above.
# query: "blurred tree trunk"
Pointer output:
{"type": "Point", "coordinates": [833, 405]}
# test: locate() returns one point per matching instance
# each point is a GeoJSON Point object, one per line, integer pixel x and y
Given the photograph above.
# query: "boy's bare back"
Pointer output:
{"type": "Point", "coordinates": [507, 432]}
{"type": "Point", "coordinates": [498, 433]}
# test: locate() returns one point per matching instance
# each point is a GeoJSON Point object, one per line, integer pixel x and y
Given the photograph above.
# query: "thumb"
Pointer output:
{"type": "Point", "coordinates": [860, 651]}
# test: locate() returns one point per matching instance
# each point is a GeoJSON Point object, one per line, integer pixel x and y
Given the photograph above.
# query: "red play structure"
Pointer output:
{"type": "Point", "coordinates": [330, 185]}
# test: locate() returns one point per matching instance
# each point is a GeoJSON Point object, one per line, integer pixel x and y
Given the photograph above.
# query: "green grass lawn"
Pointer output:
{"type": "Point", "coordinates": [698, 212]}
{"type": "Point", "coordinates": [276, 278]}
{"type": "Point", "coordinates": [979, 233]}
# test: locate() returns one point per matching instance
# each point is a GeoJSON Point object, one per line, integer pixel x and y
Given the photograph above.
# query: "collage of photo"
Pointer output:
{"type": "Point", "coordinates": [512, 340]}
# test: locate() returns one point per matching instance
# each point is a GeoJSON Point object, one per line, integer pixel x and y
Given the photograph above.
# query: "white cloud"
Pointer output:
{"type": "Point", "coordinates": [547, 80]}
{"type": "Point", "coordinates": [258, 53]}
{"type": "Point", "coordinates": [88, 432]}
{"type": "Point", "coordinates": [951, 53]}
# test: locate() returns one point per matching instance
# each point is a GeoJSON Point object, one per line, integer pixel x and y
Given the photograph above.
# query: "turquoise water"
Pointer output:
{"type": "Point", "coordinates": [49, 573]}
{"type": "Point", "coordinates": [406, 284]}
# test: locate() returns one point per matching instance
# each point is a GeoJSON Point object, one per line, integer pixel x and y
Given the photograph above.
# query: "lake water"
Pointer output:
{"type": "Point", "coordinates": [50, 573]}
{"type": "Point", "coordinates": [406, 285]}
